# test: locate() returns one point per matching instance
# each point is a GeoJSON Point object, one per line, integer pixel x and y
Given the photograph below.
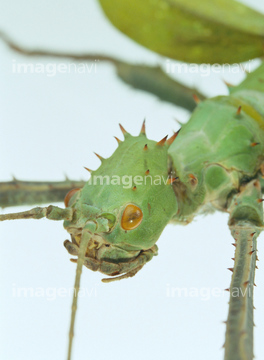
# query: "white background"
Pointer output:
{"type": "Point", "coordinates": [50, 126]}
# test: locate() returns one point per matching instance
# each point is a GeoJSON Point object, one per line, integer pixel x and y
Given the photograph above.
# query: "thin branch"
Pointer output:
{"type": "Point", "coordinates": [151, 79]}
{"type": "Point", "coordinates": [61, 55]}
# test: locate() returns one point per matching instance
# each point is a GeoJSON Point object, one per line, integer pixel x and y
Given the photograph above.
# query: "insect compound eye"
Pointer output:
{"type": "Point", "coordinates": [69, 196]}
{"type": "Point", "coordinates": [132, 217]}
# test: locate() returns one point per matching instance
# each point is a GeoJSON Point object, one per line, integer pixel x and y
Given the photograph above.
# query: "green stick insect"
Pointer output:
{"type": "Point", "coordinates": [215, 162]}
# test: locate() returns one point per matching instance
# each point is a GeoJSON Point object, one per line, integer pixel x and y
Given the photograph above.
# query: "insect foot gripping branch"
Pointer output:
{"type": "Point", "coordinates": [133, 191]}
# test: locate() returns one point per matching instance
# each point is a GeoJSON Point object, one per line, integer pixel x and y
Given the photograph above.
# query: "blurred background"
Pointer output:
{"type": "Point", "coordinates": [50, 125]}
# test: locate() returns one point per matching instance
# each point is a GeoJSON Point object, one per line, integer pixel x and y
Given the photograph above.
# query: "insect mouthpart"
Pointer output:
{"type": "Point", "coordinates": [110, 259]}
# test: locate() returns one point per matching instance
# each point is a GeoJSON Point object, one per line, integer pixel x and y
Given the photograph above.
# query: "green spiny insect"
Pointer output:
{"type": "Point", "coordinates": [215, 162]}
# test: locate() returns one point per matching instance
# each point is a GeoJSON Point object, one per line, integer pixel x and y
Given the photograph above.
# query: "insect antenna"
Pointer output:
{"type": "Point", "coordinates": [98, 225]}
{"type": "Point", "coordinates": [87, 233]}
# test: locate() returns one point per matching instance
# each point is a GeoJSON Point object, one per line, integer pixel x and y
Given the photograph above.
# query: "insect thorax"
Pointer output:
{"type": "Point", "coordinates": [217, 151]}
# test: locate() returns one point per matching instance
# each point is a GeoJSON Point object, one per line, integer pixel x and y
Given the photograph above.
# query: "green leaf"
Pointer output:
{"type": "Point", "coordinates": [211, 31]}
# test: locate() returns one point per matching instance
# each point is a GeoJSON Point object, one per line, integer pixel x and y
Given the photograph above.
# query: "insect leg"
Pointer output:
{"type": "Point", "coordinates": [246, 222]}
{"type": "Point", "coordinates": [51, 212]}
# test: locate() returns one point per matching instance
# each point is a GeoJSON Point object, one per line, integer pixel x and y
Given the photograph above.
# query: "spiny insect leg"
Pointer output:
{"type": "Point", "coordinates": [246, 219]}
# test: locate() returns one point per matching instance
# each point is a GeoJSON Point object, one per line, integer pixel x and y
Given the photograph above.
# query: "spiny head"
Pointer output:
{"type": "Point", "coordinates": [132, 190]}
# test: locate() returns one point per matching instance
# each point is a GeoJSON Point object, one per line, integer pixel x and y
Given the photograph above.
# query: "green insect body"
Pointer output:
{"type": "Point", "coordinates": [221, 147]}
{"type": "Point", "coordinates": [130, 241]}
{"type": "Point", "coordinates": [198, 170]}
{"type": "Point", "coordinates": [216, 162]}
{"type": "Point", "coordinates": [216, 152]}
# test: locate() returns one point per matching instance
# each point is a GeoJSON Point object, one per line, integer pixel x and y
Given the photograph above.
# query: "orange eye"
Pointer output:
{"type": "Point", "coordinates": [69, 195]}
{"type": "Point", "coordinates": [132, 217]}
